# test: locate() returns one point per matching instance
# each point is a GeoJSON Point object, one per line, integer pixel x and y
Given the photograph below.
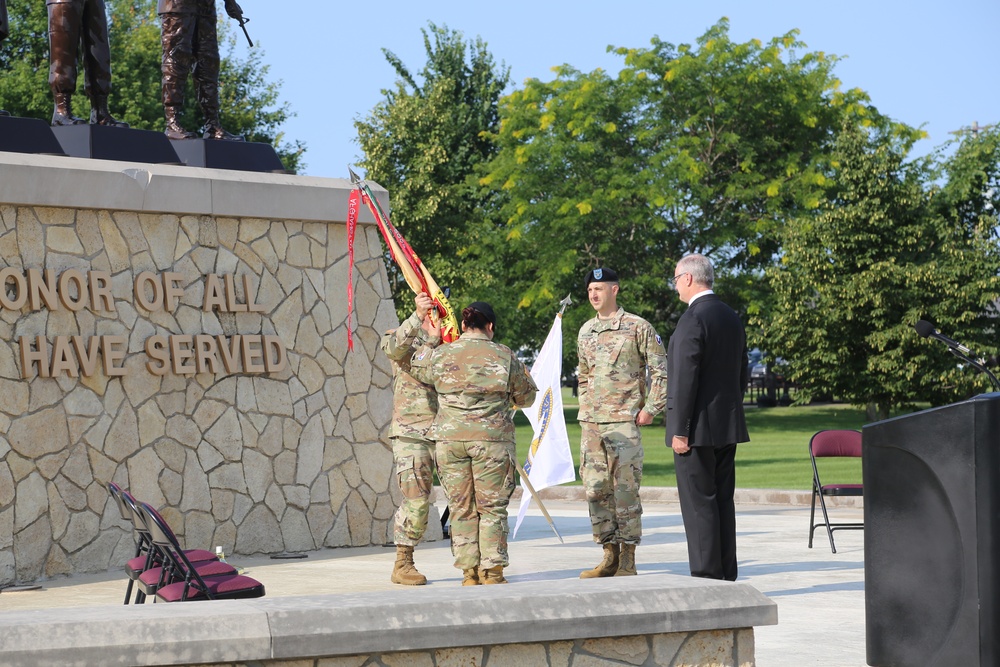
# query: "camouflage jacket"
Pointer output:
{"type": "Point", "coordinates": [478, 382]}
{"type": "Point", "coordinates": [615, 356]}
{"type": "Point", "coordinates": [414, 404]}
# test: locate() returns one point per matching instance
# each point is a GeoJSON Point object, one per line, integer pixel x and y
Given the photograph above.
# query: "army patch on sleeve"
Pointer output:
{"type": "Point", "coordinates": [659, 341]}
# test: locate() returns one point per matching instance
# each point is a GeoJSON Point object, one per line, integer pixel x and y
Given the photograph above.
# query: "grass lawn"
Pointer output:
{"type": "Point", "coordinates": [777, 456]}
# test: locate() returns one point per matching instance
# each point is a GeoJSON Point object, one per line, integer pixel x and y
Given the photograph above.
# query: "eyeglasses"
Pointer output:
{"type": "Point", "coordinates": [673, 281]}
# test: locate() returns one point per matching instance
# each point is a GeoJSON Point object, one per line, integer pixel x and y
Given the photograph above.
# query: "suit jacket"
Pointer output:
{"type": "Point", "coordinates": [707, 376]}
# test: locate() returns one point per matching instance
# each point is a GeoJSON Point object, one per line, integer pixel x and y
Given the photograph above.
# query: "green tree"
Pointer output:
{"type": "Point", "coordinates": [706, 148]}
{"type": "Point", "coordinates": [423, 143]}
{"type": "Point", "coordinates": [250, 104]}
{"type": "Point", "coordinates": [886, 250]}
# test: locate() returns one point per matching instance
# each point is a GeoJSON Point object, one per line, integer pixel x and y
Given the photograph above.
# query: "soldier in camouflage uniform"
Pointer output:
{"type": "Point", "coordinates": [477, 382]}
{"type": "Point", "coordinates": [414, 405]}
{"type": "Point", "coordinates": [617, 350]}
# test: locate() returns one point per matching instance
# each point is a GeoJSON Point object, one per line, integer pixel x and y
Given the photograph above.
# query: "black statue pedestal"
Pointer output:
{"type": "Point", "coordinates": [236, 155]}
{"type": "Point", "coordinates": [115, 143]}
{"type": "Point", "coordinates": [28, 135]}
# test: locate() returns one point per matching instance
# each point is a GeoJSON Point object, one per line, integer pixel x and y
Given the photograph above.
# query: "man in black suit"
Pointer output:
{"type": "Point", "coordinates": [707, 375]}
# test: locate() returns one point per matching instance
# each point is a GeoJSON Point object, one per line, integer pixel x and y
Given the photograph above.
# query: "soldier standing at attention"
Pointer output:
{"type": "Point", "coordinates": [414, 405]}
{"type": "Point", "coordinates": [617, 350]}
{"type": "Point", "coordinates": [477, 382]}
{"type": "Point", "coordinates": [190, 43]}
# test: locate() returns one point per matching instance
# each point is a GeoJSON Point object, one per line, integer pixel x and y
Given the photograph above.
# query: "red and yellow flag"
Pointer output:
{"type": "Point", "coordinates": [414, 272]}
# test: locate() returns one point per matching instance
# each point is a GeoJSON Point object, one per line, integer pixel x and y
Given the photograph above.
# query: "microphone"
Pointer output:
{"type": "Point", "coordinates": [926, 330]}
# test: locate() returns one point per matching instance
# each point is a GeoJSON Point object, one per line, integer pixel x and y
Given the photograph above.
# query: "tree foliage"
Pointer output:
{"type": "Point", "coordinates": [250, 104]}
{"type": "Point", "coordinates": [886, 249]}
{"type": "Point", "coordinates": [706, 148]}
{"type": "Point", "coordinates": [423, 143]}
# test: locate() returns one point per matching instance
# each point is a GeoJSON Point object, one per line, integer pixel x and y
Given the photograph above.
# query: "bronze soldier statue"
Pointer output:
{"type": "Point", "coordinates": [190, 43]}
{"type": "Point", "coordinates": [70, 22]}
{"type": "Point", "coordinates": [4, 31]}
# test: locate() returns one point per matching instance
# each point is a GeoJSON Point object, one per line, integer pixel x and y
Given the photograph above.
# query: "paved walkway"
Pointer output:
{"type": "Point", "coordinates": [820, 595]}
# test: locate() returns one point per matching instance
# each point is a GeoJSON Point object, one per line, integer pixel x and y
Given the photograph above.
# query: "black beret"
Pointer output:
{"type": "Point", "coordinates": [486, 309]}
{"type": "Point", "coordinates": [600, 276]}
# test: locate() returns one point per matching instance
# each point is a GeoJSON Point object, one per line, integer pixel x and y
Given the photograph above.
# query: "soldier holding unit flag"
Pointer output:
{"type": "Point", "coordinates": [413, 410]}
{"type": "Point", "coordinates": [477, 381]}
{"type": "Point", "coordinates": [617, 350]}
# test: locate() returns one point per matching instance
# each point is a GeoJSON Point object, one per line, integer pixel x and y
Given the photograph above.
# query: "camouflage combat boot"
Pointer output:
{"type": "Point", "coordinates": [626, 563]}
{"type": "Point", "coordinates": [607, 567]}
{"type": "Point", "coordinates": [403, 572]}
{"type": "Point", "coordinates": [493, 575]}
{"type": "Point", "coordinates": [471, 577]}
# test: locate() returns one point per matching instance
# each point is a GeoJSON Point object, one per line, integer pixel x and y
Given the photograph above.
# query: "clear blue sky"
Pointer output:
{"type": "Point", "coordinates": [923, 62]}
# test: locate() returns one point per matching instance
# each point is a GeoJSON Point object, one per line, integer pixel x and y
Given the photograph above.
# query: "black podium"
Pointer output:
{"type": "Point", "coordinates": [932, 533]}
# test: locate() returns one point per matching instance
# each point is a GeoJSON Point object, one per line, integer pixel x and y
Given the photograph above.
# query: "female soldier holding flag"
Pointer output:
{"type": "Point", "coordinates": [477, 381]}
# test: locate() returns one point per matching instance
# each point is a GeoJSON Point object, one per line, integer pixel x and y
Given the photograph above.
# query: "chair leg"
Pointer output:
{"type": "Point", "coordinates": [812, 517]}
{"type": "Point", "coordinates": [826, 518]}
{"type": "Point", "coordinates": [128, 590]}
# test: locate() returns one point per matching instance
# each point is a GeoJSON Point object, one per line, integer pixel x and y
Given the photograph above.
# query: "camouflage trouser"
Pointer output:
{"type": "Point", "coordinates": [478, 478]}
{"type": "Point", "coordinates": [611, 470]}
{"type": "Point", "coordinates": [415, 472]}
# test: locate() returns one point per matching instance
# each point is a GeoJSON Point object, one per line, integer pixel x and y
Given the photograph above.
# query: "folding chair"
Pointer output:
{"type": "Point", "coordinates": [148, 556]}
{"type": "Point", "coordinates": [832, 443]}
{"type": "Point", "coordinates": [135, 565]}
{"type": "Point", "coordinates": [188, 583]}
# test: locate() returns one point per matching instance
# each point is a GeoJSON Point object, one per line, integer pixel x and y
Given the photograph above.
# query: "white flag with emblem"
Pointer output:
{"type": "Point", "coordinates": [549, 459]}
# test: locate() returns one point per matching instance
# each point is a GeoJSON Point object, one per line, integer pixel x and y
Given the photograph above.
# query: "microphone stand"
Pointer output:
{"type": "Point", "coordinates": [978, 364]}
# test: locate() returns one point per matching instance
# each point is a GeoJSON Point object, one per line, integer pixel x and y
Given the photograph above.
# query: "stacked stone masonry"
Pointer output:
{"type": "Point", "coordinates": [254, 462]}
{"type": "Point", "coordinates": [710, 648]}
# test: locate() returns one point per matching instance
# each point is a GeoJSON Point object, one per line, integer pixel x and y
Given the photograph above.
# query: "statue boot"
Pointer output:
{"type": "Point", "coordinates": [404, 572]}
{"type": "Point", "coordinates": [62, 114]}
{"type": "Point", "coordinates": [470, 577]}
{"type": "Point", "coordinates": [4, 113]}
{"type": "Point", "coordinates": [174, 129]}
{"type": "Point", "coordinates": [626, 561]}
{"type": "Point", "coordinates": [608, 567]}
{"type": "Point", "coordinates": [493, 575]}
{"type": "Point", "coordinates": [99, 114]}
{"type": "Point", "coordinates": [213, 128]}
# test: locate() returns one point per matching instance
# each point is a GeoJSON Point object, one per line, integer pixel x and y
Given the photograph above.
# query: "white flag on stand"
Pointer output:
{"type": "Point", "coordinates": [549, 459]}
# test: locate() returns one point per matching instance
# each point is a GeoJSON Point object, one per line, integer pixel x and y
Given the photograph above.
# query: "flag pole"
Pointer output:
{"type": "Point", "coordinates": [545, 512]}
{"type": "Point", "coordinates": [565, 302]}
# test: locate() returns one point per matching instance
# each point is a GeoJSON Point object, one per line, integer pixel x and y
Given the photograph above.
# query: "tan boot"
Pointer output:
{"type": "Point", "coordinates": [403, 572]}
{"type": "Point", "coordinates": [493, 575]}
{"type": "Point", "coordinates": [607, 567]}
{"type": "Point", "coordinates": [471, 577]}
{"type": "Point", "coordinates": [626, 563]}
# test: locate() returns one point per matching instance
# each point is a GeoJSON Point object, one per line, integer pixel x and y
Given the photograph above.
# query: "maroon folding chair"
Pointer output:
{"type": "Point", "coordinates": [188, 583]}
{"type": "Point", "coordinates": [824, 444]}
{"type": "Point", "coordinates": [148, 556]}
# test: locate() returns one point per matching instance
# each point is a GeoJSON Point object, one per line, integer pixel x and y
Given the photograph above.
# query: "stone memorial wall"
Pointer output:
{"type": "Point", "coordinates": [183, 332]}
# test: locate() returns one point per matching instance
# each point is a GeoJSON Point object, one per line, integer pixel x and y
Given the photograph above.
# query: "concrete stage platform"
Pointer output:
{"type": "Point", "coordinates": [820, 595]}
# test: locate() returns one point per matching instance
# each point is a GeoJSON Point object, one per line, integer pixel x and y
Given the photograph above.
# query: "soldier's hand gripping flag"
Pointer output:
{"type": "Point", "coordinates": [414, 272]}
{"type": "Point", "coordinates": [549, 459]}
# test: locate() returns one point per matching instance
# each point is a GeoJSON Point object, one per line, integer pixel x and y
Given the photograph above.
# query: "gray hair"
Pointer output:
{"type": "Point", "coordinates": [700, 269]}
